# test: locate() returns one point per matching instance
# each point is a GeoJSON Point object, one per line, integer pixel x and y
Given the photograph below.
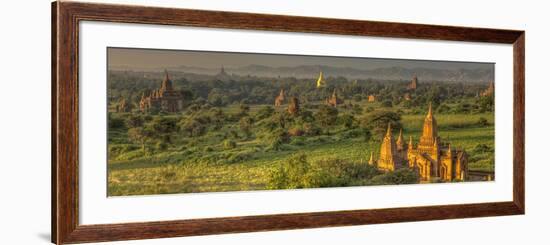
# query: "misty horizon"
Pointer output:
{"type": "Point", "coordinates": [135, 58]}
{"type": "Point", "coordinates": [298, 66]}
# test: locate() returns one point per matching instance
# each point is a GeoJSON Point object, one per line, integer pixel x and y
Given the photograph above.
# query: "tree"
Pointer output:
{"type": "Point", "coordinates": [281, 119]}
{"type": "Point", "coordinates": [229, 144]}
{"type": "Point", "coordinates": [277, 138]}
{"type": "Point", "coordinates": [115, 122]}
{"type": "Point", "coordinates": [291, 174]}
{"type": "Point", "coordinates": [216, 97]}
{"type": "Point", "coordinates": [245, 123]}
{"type": "Point", "coordinates": [367, 136]}
{"type": "Point", "coordinates": [140, 136]}
{"type": "Point", "coordinates": [134, 121]}
{"type": "Point", "coordinates": [243, 110]}
{"type": "Point", "coordinates": [265, 112]}
{"type": "Point", "coordinates": [307, 116]}
{"type": "Point", "coordinates": [397, 177]}
{"type": "Point", "coordinates": [486, 103]}
{"type": "Point", "coordinates": [327, 116]}
{"type": "Point", "coordinates": [347, 120]}
{"type": "Point", "coordinates": [386, 103]}
{"type": "Point", "coordinates": [163, 127]}
{"type": "Point", "coordinates": [483, 122]}
{"type": "Point", "coordinates": [377, 121]}
{"type": "Point", "coordinates": [193, 126]}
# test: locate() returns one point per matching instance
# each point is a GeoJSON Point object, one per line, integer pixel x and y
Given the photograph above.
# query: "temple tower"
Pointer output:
{"type": "Point", "coordinates": [166, 98]}
{"type": "Point", "coordinates": [371, 159]}
{"type": "Point", "coordinates": [429, 132]}
{"type": "Point", "coordinates": [414, 83]}
{"type": "Point", "coordinates": [279, 100]}
{"type": "Point", "coordinates": [334, 100]}
{"type": "Point", "coordinates": [489, 91]}
{"type": "Point", "coordinates": [389, 159]}
{"type": "Point", "coordinates": [400, 142]}
{"type": "Point", "coordinates": [166, 83]}
{"type": "Point", "coordinates": [294, 106]}
{"type": "Point", "coordinates": [321, 83]}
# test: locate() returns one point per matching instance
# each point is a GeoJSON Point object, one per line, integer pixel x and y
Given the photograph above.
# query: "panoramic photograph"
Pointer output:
{"type": "Point", "coordinates": [182, 121]}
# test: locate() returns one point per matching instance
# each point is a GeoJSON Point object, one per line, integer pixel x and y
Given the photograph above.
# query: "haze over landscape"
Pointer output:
{"type": "Point", "coordinates": [299, 66]}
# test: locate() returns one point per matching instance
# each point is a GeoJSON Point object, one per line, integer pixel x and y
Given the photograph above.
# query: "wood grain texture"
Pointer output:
{"type": "Point", "coordinates": [519, 122]}
{"type": "Point", "coordinates": [196, 227]}
{"type": "Point", "coordinates": [54, 122]}
{"type": "Point", "coordinates": [66, 124]}
{"type": "Point", "coordinates": [65, 19]}
{"type": "Point", "coordinates": [234, 20]}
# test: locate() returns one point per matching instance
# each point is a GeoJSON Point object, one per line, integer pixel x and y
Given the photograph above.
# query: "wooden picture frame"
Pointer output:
{"type": "Point", "coordinates": [65, 121]}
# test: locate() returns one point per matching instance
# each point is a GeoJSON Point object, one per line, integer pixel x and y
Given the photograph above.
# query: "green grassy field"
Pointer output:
{"type": "Point", "coordinates": [206, 164]}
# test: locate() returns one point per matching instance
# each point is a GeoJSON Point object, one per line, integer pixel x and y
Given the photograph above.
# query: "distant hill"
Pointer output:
{"type": "Point", "coordinates": [310, 71]}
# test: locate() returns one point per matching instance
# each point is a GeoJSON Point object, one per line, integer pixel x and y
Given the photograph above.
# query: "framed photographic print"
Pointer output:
{"type": "Point", "coordinates": [174, 122]}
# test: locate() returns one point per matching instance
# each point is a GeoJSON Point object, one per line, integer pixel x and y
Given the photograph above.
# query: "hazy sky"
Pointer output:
{"type": "Point", "coordinates": [155, 58]}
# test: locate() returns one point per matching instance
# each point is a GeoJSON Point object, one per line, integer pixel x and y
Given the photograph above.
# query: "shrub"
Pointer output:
{"type": "Point", "coordinates": [140, 135]}
{"type": "Point", "coordinates": [121, 149]}
{"type": "Point", "coordinates": [277, 138]}
{"type": "Point", "coordinates": [354, 133]}
{"type": "Point", "coordinates": [486, 103]}
{"type": "Point", "coordinates": [134, 121]}
{"type": "Point", "coordinates": [386, 103]}
{"type": "Point", "coordinates": [443, 108]}
{"type": "Point", "coordinates": [482, 148]}
{"type": "Point", "coordinates": [115, 122]}
{"type": "Point", "coordinates": [483, 122]}
{"type": "Point", "coordinates": [397, 177]}
{"type": "Point", "coordinates": [290, 174]}
{"type": "Point", "coordinates": [298, 172]}
{"type": "Point", "coordinates": [347, 120]}
{"type": "Point", "coordinates": [369, 109]}
{"type": "Point", "coordinates": [238, 157]}
{"type": "Point", "coordinates": [193, 127]}
{"type": "Point", "coordinates": [307, 116]}
{"type": "Point", "coordinates": [297, 141]}
{"type": "Point", "coordinates": [244, 124]}
{"type": "Point", "coordinates": [243, 110]}
{"type": "Point", "coordinates": [265, 112]}
{"type": "Point", "coordinates": [229, 144]}
{"type": "Point", "coordinates": [367, 135]}
{"type": "Point", "coordinates": [326, 116]}
{"type": "Point", "coordinates": [164, 125]}
{"type": "Point", "coordinates": [295, 132]}
{"type": "Point", "coordinates": [161, 146]}
{"type": "Point", "coordinates": [311, 129]}
{"type": "Point", "coordinates": [378, 121]}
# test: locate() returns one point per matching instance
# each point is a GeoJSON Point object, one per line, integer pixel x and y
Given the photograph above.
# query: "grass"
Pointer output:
{"type": "Point", "coordinates": [203, 164]}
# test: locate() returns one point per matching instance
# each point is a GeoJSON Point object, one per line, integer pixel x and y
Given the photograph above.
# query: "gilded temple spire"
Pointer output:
{"type": "Point", "coordinates": [371, 160]}
{"type": "Point", "coordinates": [400, 142]}
{"type": "Point", "coordinates": [321, 81]}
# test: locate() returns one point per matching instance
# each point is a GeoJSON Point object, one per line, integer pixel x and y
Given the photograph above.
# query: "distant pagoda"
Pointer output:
{"type": "Point", "coordinates": [223, 75]}
{"type": "Point", "coordinates": [334, 100]}
{"type": "Point", "coordinates": [489, 91]}
{"type": "Point", "coordinates": [321, 83]}
{"type": "Point", "coordinates": [166, 98]}
{"type": "Point", "coordinates": [279, 100]}
{"type": "Point", "coordinates": [414, 83]}
{"type": "Point", "coordinates": [294, 106]}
